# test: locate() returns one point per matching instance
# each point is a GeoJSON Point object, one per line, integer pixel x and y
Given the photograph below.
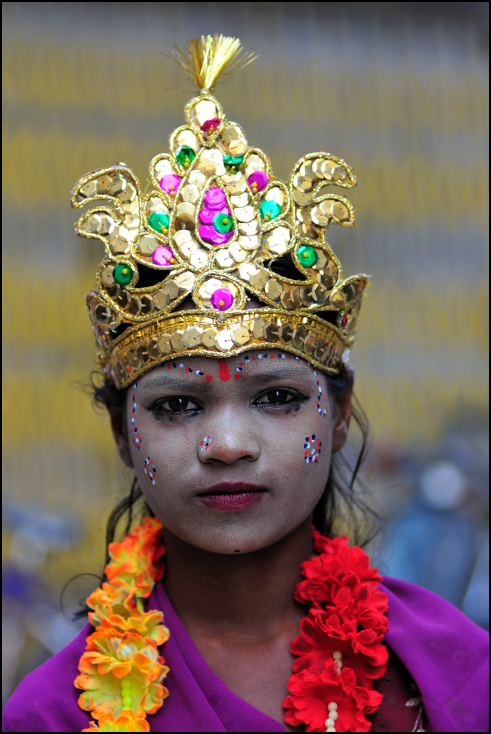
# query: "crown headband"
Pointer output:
{"type": "Point", "coordinates": [207, 236]}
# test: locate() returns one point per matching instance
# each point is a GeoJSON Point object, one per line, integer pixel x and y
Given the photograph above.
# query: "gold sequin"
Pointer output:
{"type": "Point", "coordinates": [186, 212]}
{"type": "Point", "coordinates": [338, 173]}
{"type": "Point", "coordinates": [197, 178]}
{"type": "Point", "coordinates": [89, 189]}
{"type": "Point", "coordinates": [244, 214]}
{"type": "Point", "coordinates": [339, 211]}
{"type": "Point", "coordinates": [248, 243]}
{"type": "Point", "coordinates": [302, 184]}
{"type": "Point", "coordinates": [298, 337]}
{"type": "Point", "coordinates": [271, 331]}
{"type": "Point", "coordinates": [107, 275]}
{"type": "Point", "coordinates": [148, 244]}
{"type": "Point", "coordinates": [241, 335]}
{"type": "Point", "coordinates": [135, 306]}
{"type": "Point", "coordinates": [134, 359]}
{"type": "Point", "coordinates": [223, 340]}
{"type": "Point", "coordinates": [318, 216]}
{"type": "Point", "coordinates": [259, 280]}
{"type": "Point", "coordinates": [321, 260]}
{"type": "Point", "coordinates": [207, 166]}
{"type": "Point", "coordinates": [163, 343]}
{"type": "Point", "coordinates": [176, 341]}
{"type": "Point", "coordinates": [208, 337]}
{"type": "Point", "coordinates": [171, 289]}
{"type": "Point", "coordinates": [319, 293]}
{"type": "Point", "coordinates": [186, 137]}
{"type": "Point", "coordinates": [198, 259]}
{"type": "Point", "coordinates": [128, 194]}
{"type": "Point", "coordinates": [240, 199]}
{"type": "Point", "coordinates": [119, 185]}
{"type": "Point", "coordinates": [285, 333]}
{"type": "Point", "coordinates": [337, 299]}
{"type": "Point", "coordinates": [190, 194]}
{"type": "Point", "coordinates": [123, 299]}
{"type": "Point", "coordinates": [153, 350]}
{"type": "Point", "coordinates": [306, 294]}
{"type": "Point", "coordinates": [192, 336]}
{"type": "Point", "coordinates": [107, 225]}
{"type": "Point", "coordinates": [142, 353]}
{"type": "Point", "coordinates": [286, 300]}
{"type": "Point", "coordinates": [239, 187]}
{"type": "Point", "coordinates": [104, 183]}
{"type": "Point", "coordinates": [247, 270]}
{"type": "Point", "coordinates": [224, 259]}
{"type": "Point", "coordinates": [185, 280]}
{"type": "Point", "coordinates": [319, 348]}
{"type": "Point", "coordinates": [238, 254]}
{"type": "Point", "coordinates": [102, 313]}
{"type": "Point", "coordinates": [161, 299]}
{"type": "Point", "coordinates": [258, 328]}
{"type": "Point", "coordinates": [301, 197]}
{"type": "Point", "coordinates": [276, 194]}
{"type": "Point", "coordinates": [309, 344]}
{"type": "Point", "coordinates": [93, 224]}
{"type": "Point", "coordinates": [147, 304]}
{"type": "Point", "coordinates": [248, 228]}
{"type": "Point", "coordinates": [273, 289]}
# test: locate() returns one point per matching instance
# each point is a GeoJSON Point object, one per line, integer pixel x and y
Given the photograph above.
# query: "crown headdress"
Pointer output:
{"type": "Point", "coordinates": [209, 235]}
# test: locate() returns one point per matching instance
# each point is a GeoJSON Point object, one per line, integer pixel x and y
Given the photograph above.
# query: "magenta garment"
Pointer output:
{"type": "Point", "coordinates": [446, 654]}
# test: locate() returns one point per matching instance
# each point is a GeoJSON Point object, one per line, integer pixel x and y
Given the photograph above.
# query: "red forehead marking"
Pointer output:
{"type": "Point", "coordinates": [223, 372]}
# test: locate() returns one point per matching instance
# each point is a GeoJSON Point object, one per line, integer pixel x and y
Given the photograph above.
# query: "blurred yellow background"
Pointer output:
{"type": "Point", "coordinates": [399, 90]}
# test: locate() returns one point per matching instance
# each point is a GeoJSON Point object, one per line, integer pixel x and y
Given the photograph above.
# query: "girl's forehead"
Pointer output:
{"type": "Point", "coordinates": [210, 370]}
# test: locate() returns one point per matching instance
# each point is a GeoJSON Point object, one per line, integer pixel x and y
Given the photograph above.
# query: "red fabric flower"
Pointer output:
{"type": "Point", "coordinates": [312, 691]}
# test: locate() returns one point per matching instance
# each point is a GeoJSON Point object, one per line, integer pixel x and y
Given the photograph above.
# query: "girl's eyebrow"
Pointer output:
{"type": "Point", "coordinates": [169, 382]}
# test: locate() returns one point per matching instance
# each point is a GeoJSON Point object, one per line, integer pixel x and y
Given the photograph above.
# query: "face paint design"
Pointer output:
{"type": "Point", "coordinates": [189, 369]}
{"type": "Point", "coordinates": [135, 436]}
{"type": "Point", "coordinates": [248, 359]}
{"type": "Point", "coordinates": [150, 469]}
{"type": "Point", "coordinates": [312, 448]}
{"type": "Point", "coordinates": [205, 443]}
{"type": "Point", "coordinates": [321, 396]}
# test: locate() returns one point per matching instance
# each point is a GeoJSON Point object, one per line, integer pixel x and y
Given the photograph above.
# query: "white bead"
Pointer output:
{"type": "Point", "coordinates": [330, 728]}
{"type": "Point", "coordinates": [333, 715]}
{"type": "Point", "coordinates": [332, 706]}
{"type": "Point", "coordinates": [329, 722]}
{"type": "Point", "coordinates": [337, 655]}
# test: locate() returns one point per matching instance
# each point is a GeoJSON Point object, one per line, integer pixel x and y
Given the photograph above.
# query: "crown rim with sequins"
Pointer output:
{"type": "Point", "coordinates": [209, 230]}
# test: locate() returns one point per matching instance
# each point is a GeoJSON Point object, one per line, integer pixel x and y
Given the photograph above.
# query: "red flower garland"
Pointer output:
{"type": "Point", "coordinates": [340, 650]}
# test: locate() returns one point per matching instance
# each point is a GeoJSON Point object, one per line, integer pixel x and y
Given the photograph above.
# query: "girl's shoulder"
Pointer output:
{"type": "Point", "coordinates": [46, 699]}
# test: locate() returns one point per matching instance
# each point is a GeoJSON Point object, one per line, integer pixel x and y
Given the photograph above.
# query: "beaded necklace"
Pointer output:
{"type": "Point", "coordinates": [340, 650]}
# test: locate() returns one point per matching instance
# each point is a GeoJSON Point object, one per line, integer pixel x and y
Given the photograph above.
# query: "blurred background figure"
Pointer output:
{"type": "Point", "coordinates": [400, 91]}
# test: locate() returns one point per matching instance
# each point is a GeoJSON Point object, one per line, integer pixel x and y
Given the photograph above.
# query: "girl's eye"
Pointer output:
{"type": "Point", "coordinates": [277, 397]}
{"type": "Point", "coordinates": [175, 405]}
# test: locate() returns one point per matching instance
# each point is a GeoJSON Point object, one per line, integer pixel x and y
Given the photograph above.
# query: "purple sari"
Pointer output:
{"type": "Point", "coordinates": [446, 654]}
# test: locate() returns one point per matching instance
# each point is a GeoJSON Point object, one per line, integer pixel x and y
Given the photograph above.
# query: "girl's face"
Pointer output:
{"type": "Point", "coordinates": [263, 420]}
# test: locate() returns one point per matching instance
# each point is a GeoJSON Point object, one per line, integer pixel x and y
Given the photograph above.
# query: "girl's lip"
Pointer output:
{"type": "Point", "coordinates": [232, 501]}
{"type": "Point", "coordinates": [232, 488]}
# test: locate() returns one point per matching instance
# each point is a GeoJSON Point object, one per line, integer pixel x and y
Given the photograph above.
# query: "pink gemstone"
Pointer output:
{"type": "Point", "coordinates": [215, 199]}
{"type": "Point", "coordinates": [344, 321]}
{"type": "Point", "coordinates": [206, 215]}
{"type": "Point", "coordinates": [221, 299]}
{"type": "Point", "coordinates": [259, 178]}
{"type": "Point", "coordinates": [210, 125]}
{"type": "Point", "coordinates": [209, 234]}
{"type": "Point", "coordinates": [163, 256]}
{"type": "Point", "coordinates": [169, 183]}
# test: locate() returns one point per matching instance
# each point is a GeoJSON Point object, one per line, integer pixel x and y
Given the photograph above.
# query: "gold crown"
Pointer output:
{"type": "Point", "coordinates": [211, 230]}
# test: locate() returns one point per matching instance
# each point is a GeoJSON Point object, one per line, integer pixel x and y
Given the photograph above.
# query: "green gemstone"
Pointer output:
{"type": "Point", "coordinates": [159, 221]}
{"type": "Point", "coordinates": [185, 155]}
{"type": "Point", "coordinates": [122, 274]}
{"type": "Point", "coordinates": [269, 210]}
{"type": "Point", "coordinates": [223, 223]}
{"type": "Point", "coordinates": [232, 162]}
{"type": "Point", "coordinates": [307, 256]}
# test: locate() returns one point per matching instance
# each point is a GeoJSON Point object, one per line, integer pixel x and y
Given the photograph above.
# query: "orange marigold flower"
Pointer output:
{"type": "Point", "coordinates": [136, 559]}
{"type": "Point", "coordinates": [101, 676]}
{"type": "Point", "coordinates": [126, 721]}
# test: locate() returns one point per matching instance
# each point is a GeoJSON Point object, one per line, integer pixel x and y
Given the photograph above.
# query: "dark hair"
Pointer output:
{"type": "Point", "coordinates": [340, 486]}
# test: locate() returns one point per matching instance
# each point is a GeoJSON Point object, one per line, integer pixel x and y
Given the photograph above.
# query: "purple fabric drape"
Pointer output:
{"type": "Point", "coordinates": [446, 654]}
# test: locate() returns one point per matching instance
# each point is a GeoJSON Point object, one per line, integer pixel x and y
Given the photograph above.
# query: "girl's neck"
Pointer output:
{"type": "Point", "coordinates": [247, 598]}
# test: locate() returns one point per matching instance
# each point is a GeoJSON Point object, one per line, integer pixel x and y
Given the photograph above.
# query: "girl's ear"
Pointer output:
{"type": "Point", "coordinates": [120, 434]}
{"type": "Point", "coordinates": [342, 413]}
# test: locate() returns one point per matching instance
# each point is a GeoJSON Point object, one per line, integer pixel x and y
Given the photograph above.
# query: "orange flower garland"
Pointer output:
{"type": "Point", "coordinates": [340, 649]}
{"type": "Point", "coordinates": [121, 671]}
